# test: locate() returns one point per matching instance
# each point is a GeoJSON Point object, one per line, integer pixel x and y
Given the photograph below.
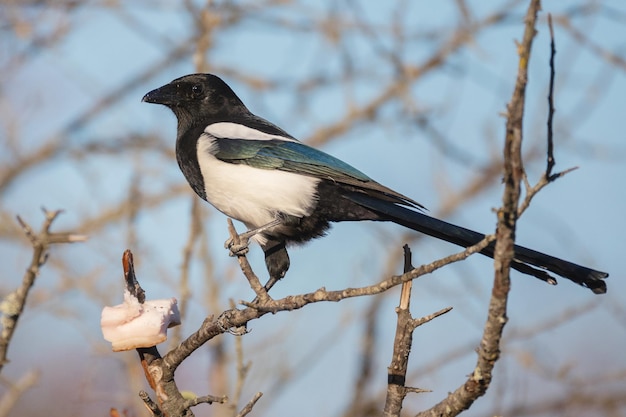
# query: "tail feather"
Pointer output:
{"type": "Point", "coordinates": [526, 260]}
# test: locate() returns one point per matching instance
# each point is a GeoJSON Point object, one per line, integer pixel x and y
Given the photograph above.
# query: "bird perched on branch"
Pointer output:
{"type": "Point", "coordinates": [287, 192]}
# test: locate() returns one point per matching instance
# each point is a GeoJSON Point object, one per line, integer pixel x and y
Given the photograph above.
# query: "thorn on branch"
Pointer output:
{"type": "Point", "coordinates": [417, 390]}
{"type": "Point", "coordinates": [553, 177]}
{"type": "Point", "coordinates": [423, 320]}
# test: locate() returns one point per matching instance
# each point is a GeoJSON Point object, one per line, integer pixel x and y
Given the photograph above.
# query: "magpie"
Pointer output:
{"type": "Point", "coordinates": [286, 192]}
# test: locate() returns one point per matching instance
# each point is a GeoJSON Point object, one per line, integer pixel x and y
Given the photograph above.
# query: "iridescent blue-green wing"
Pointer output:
{"type": "Point", "coordinates": [298, 158]}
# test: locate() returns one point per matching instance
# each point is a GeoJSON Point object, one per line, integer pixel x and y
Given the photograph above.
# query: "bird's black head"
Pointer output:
{"type": "Point", "coordinates": [197, 98]}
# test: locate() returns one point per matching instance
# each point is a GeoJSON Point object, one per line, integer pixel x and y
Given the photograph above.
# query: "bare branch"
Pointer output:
{"type": "Point", "coordinates": [255, 284]}
{"type": "Point", "coordinates": [195, 229]}
{"type": "Point", "coordinates": [547, 176]}
{"type": "Point", "coordinates": [13, 304]}
{"type": "Point", "coordinates": [489, 350]}
{"type": "Point", "coordinates": [550, 159]}
{"type": "Point", "coordinates": [396, 376]}
{"type": "Point", "coordinates": [15, 391]}
{"type": "Point", "coordinates": [242, 373]}
{"type": "Point", "coordinates": [206, 399]}
{"type": "Point", "coordinates": [248, 408]}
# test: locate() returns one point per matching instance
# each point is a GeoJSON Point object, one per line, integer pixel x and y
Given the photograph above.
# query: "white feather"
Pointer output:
{"type": "Point", "coordinates": [252, 195]}
{"type": "Point", "coordinates": [238, 131]}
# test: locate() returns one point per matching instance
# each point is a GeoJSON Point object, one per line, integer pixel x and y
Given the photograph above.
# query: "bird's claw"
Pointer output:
{"type": "Point", "coordinates": [237, 246]}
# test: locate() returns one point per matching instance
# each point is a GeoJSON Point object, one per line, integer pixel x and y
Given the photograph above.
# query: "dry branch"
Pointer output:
{"type": "Point", "coordinates": [489, 350]}
{"type": "Point", "coordinates": [403, 341]}
{"type": "Point", "coordinates": [160, 370]}
{"type": "Point", "coordinates": [13, 304]}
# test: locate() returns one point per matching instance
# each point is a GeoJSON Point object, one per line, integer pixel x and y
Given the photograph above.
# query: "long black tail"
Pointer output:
{"type": "Point", "coordinates": [526, 260]}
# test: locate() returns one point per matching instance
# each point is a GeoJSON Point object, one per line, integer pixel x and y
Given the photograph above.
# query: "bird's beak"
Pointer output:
{"type": "Point", "coordinates": [165, 95]}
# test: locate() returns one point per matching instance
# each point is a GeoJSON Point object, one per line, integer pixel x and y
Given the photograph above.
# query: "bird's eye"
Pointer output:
{"type": "Point", "coordinates": [196, 90]}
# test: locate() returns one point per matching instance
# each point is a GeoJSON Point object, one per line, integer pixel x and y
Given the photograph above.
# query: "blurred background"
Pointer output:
{"type": "Point", "coordinates": [410, 92]}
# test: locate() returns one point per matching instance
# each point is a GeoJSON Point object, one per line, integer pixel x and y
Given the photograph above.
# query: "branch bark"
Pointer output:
{"type": "Point", "coordinates": [403, 341]}
{"type": "Point", "coordinates": [12, 306]}
{"type": "Point", "coordinates": [489, 350]}
{"type": "Point", "coordinates": [160, 370]}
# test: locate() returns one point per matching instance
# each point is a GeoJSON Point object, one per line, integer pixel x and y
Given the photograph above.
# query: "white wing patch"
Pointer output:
{"type": "Point", "coordinates": [253, 195]}
{"type": "Point", "coordinates": [227, 130]}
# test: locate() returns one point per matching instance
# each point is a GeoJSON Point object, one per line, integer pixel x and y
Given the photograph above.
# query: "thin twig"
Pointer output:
{"type": "Point", "coordinates": [248, 408]}
{"type": "Point", "coordinates": [15, 390]}
{"type": "Point", "coordinates": [321, 295]}
{"type": "Point", "coordinates": [547, 176]}
{"type": "Point", "coordinates": [206, 399]}
{"type": "Point", "coordinates": [195, 228]}
{"type": "Point", "coordinates": [423, 320]}
{"type": "Point", "coordinates": [242, 372]}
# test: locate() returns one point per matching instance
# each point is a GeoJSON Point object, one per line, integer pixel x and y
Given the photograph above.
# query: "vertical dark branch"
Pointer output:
{"type": "Point", "coordinates": [548, 176]}
{"type": "Point", "coordinates": [408, 259]}
{"type": "Point", "coordinates": [550, 157]}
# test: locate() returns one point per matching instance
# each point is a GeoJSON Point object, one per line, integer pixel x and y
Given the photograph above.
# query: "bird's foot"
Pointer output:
{"type": "Point", "coordinates": [238, 246]}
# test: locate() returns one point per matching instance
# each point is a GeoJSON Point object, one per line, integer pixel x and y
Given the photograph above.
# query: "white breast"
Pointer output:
{"type": "Point", "coordinates": [253, 195]}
